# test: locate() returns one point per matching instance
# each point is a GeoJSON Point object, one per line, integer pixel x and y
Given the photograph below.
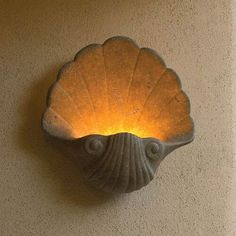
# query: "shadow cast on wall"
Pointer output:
{"type": "Point", "coordinates": [67, 182]}
{"type": "Point", "coordinates": [70, 186]}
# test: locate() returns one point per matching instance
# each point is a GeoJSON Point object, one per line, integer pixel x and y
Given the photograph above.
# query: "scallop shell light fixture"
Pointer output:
{"type": "Point", "coordinates": [123, 109]}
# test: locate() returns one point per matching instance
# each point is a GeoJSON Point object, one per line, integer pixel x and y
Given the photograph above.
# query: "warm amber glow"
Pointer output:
{"type": "Point", "coordinates": [117, 87]}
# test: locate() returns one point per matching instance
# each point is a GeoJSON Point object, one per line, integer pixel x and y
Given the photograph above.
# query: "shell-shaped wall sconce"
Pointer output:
{"type": "Point", "coordinates": [124, 110]}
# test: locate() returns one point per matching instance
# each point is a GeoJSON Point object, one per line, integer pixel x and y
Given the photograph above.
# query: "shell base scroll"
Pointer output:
{"type": "Point", "coordinates": [121, 162]}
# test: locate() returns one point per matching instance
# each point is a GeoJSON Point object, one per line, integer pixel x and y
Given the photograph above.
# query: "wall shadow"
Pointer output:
{"type": "Point", "coordinates": [54, 161]}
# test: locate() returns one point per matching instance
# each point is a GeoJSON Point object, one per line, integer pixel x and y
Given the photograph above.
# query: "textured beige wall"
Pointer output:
{"type": "Point", "coordinates": [41, 191]}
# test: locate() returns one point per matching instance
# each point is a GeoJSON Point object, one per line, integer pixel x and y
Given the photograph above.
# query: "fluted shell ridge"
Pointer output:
{"type": "Point", "coordinates": [122, 167]}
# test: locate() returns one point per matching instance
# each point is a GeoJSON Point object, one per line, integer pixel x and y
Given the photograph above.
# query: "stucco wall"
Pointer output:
{"type": "Point", "coordinates": [41, 191]}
